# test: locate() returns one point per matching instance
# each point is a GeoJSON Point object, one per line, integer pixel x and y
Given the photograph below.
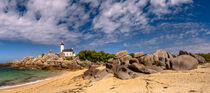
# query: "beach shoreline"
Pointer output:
{"type": "Point", "coordinates": [168, 81]}
{"type": "Point", "coordinates": [33, 82]}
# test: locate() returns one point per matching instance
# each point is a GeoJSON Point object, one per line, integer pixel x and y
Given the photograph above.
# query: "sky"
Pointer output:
{"type": "Point", "coordinates": [33, 27]}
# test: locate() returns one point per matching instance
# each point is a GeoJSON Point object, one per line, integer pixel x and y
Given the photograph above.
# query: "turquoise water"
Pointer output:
{"type": "Point", "coordinates": [14, 76]}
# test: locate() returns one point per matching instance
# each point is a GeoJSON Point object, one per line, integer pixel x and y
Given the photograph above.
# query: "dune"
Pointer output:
{"type": "Point", "coordinates": [193, 81]}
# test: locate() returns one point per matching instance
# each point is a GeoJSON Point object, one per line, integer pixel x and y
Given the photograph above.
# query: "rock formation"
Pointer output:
{"type": "Point", "coordinates": [199, 58]}
{"type": "Point", "coordinates": [50, 61]}
{"type": "Point", "coordinates": [123, 66]}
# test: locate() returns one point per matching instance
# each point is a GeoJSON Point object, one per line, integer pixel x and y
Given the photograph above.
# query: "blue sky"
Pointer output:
{"type": "Point", "coordinates": [33, 27]}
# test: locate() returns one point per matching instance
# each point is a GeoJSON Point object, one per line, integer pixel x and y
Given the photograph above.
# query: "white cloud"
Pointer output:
{"type": "Point", "coordinates": [178, 2]}
{"type": "Point", "coordinates": [181, 36]}
{"type": "Point", "coordinates": [45, 30]}
{"type": "Point", "coordinates": [194, 48]}
{"type": "Point", "coordinates": [115, 22]}
{"type": "Point", "coordinates": [120, 16]}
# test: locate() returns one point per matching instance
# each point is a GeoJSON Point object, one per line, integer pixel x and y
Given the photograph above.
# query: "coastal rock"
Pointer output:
{"type": "Point", "coordinates": [125, 59]}
{"type": "Point", "coordinates": [94, 74]}
{"type": "Point", "coordinates": [184, 62]}
{"type": "Point", "coordinates": [154, 68]}
{"type": "Point", "coordinates": [199, 58]}
{"type": "Point", "coordinates": [114, 61]}
{"type": "Point", "coordinates": [161, 53]}
{"type": "Point", "coordinates": [147, 60]}
{"type": "Point", "coordinates": [49, 57]}
{"type": "Point", "coordinates": [133, 60]}
{"type": "Point", "coordinates": [121, 54]}
{"type": "Point", "coordinates": [50, 61]}
{"type": "Point", "coordinates": [182, 52]}
{"type": "Point", "coordinates": [124, 73]}
{"type": "Point", "coordinates": [140, 68]}
{"type": "Point", "coordinates": [27, 59]}
{"type": "Point", "coordinates": [51, 51]}
{"type": "Point", "coordinates": [138, 54]}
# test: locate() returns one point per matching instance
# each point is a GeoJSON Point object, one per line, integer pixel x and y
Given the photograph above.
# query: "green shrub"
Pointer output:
{"type": "Point", "coordinates": [132, 54]}
{"type": "Point", "coordinates": [206, 56]}
{"type": "Point", "coordinates": [42, 55]}
{"type": "Point", "coordinates": [57, 54]}
{"type": "Point", "coordinates": [94, 56]}
{"type": "Point", "coordinates": [69, 58]}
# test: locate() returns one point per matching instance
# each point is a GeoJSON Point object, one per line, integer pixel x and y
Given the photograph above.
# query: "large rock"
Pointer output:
{"type": "Point", "coordinates": [120, 71]}
{"type": "Point", "coordinates": [26, 59]}
{"type": "Point", "coordinates": [94, 74]}
{"type": "Point", "coordinates": [154, 68]}
{"type": "Point", "coordinates": [199, 58]}
{"type": "Point", "coordinates": [161, 53]}
{"type": "Point", "coordinates": [49, 57]}
{"type": "Point", "coordinates": [125, 60]}
{"type": "Point", "coordinates": [124, 73]}
{"type": "Point", "coordinates": [164, 58]}
{"type": "Point", "coordinates": [182, 52]}
{"type": "Point", "coordinates": [140, 68]}
{"type": "Point", "coordinates": [138, 54]}
{"type": "Point", "coordinates": [133, 60]}
{"type": "Point", "coordinates": [184, 62]}
{"type": "Point", "coordinates": [121, 54]}
{"type": "Point", "coordinates": [147, 60]}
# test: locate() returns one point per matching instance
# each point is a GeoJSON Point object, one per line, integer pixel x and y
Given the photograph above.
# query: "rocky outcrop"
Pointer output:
{"type": "Point", "coordinates": [140, 68]}
{"type": "Point", "coordinates": [94, 74]}
{"type": "Point", "coordinates": [121, 54]}
{"type": "Point", "coordinates": [138, 54]}
{"type": "Point", "coordinates": [184, 62]}
{"type": "Point", "coordinates": [50, 61]}
{"type": "Point", "coordinates": [123, 66]}
{"type": "Point", "coordinates": [197, 57]}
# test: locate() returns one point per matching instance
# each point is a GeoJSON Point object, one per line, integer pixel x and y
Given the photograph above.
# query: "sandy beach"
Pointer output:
{"type": "Point", "coordinates": [193, 81]}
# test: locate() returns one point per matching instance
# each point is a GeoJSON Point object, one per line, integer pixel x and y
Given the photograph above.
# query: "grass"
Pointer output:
{"type": "Point", "coordinates": [69, 58]}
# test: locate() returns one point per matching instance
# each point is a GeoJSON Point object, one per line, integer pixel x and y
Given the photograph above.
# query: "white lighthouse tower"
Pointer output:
{"type": "Point", "coordinates": [62, 46]}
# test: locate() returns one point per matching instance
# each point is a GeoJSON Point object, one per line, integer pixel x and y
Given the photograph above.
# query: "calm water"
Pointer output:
{"type": "Point", "coordinates": [14, 76]}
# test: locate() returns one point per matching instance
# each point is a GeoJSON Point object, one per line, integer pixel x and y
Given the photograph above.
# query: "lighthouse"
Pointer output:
{"type": "Point", "coordinates": [62, 46]}
{"type": "Point", "coordinates": [67, 52]}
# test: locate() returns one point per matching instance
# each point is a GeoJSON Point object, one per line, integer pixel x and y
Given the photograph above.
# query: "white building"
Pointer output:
{"type": "Point", "coordinates": [67, 52]}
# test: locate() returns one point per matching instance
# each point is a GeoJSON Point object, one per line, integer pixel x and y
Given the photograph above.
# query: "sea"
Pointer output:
{"type": "Point", "coordinates": [13, 76]}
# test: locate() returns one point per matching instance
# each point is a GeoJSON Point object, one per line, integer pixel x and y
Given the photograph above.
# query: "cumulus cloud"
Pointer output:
{"type": "Point", "coordinates": [177, 36]}
{"type": "Point", "coordinates": [27, 27]}
{"type": "Point", "coordinates": [104, 21]}
{"type": "Point", "coordinates": [125, 17]}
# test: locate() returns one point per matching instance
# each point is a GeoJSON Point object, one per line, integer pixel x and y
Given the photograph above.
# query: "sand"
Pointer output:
{"type": "Point", "coordinates": [193, 81]}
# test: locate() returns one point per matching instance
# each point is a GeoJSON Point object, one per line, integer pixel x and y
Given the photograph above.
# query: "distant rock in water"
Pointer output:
{"type": "Point", "coordinates": [123, 66]}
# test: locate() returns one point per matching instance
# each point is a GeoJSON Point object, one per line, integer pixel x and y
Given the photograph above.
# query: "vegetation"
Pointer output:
{"type": "Point", "coordinates": [206, 56]}
{"type": "Point", "coordinates": [94, 56]}
{"type": "Point", "coordinates": [132, 54]}
{"type": "Point", "coordinates": [57, 54]}
{"type": "Point", "coordinates": [69, 58]}
{"type": "Point", "coordinates": [42, 55]}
